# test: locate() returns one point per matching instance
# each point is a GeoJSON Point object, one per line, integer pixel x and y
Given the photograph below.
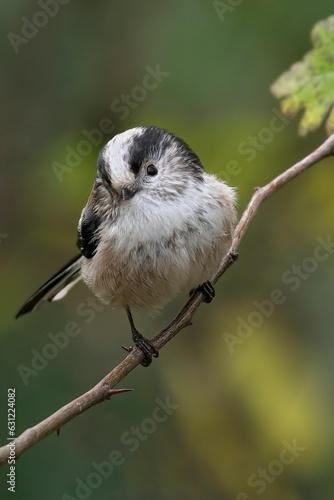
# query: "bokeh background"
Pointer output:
{"type": "Point", "coordinates": [236, 405]}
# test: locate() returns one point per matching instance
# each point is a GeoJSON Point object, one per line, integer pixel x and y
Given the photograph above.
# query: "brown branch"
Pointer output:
{"type": "Point", "coordinates": [104, 389]}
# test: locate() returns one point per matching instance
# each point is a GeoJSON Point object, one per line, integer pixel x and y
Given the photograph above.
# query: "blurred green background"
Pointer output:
{"type": "Point", "coordinates": [237, 407]}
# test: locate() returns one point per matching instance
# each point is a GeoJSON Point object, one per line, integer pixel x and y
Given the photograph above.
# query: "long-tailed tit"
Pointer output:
{"type": "Point", "coordinates": [155, 224]}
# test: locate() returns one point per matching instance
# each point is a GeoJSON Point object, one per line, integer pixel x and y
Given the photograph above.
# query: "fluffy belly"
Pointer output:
{"type": "Point", "coordinates": [149, 276]}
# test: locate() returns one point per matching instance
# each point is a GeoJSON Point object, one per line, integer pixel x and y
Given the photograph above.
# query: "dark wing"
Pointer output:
{"type": "Point", "coordinates": [88, 232]}
{"type": "Point", "coordinates": [59, 285]}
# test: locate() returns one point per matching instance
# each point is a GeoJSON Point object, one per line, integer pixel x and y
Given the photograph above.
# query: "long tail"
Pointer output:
{"type": "Point", "coordinates": [57, 286]}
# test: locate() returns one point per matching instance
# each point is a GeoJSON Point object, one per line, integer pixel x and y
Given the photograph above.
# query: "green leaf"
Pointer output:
{"type": "Point", "coordinates": [309, 84]}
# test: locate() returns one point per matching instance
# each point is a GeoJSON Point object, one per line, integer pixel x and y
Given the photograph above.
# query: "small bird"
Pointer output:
{"type": "Point", "coordinates": [155, 224]}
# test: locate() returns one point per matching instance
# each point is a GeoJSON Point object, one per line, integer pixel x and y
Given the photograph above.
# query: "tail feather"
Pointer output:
{"type": "Point", "coordinates": [56, 287]}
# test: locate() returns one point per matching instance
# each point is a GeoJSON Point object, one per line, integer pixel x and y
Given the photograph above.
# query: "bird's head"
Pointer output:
{"type": "Point", "coordinates": [147, 161]}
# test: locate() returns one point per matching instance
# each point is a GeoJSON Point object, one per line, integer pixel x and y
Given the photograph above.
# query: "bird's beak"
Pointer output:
{"type": "Point", "coordinates": [128, 193]}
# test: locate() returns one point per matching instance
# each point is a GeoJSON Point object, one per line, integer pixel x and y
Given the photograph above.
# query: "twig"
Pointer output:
{"type": "Point", "coordinates": [104, 389]}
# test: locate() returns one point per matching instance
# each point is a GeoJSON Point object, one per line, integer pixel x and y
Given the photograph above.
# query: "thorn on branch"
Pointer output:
{"type": "Point", "coordinates": [107, 393]}
{"type": "Point", "coordinates": [127, 349]}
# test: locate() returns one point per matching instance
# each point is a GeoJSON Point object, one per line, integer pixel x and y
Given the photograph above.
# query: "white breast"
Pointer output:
{"type": "Point", "coordinates": [156, 249]}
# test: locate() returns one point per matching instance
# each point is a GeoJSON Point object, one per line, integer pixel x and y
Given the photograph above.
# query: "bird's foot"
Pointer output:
{"type": "Point", "coordinates": [207, 290]}
{"type": "Point", "coordinates": [145, 346]}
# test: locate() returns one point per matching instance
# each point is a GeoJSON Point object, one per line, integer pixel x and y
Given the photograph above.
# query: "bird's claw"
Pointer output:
{"type": "Point", "coordinates": [207, 290]}
{"type": "Point", "coordinates": [145, 346]}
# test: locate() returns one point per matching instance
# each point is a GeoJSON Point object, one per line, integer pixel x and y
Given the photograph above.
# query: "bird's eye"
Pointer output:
{"type": "Point", "coordinates": [151, 169]}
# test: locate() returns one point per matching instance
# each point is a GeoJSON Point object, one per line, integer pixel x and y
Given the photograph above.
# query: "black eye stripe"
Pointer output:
{"type": "Point", "coordinates": [153, 142]}
{"type": "Point", "coordinates": [135, 166]}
